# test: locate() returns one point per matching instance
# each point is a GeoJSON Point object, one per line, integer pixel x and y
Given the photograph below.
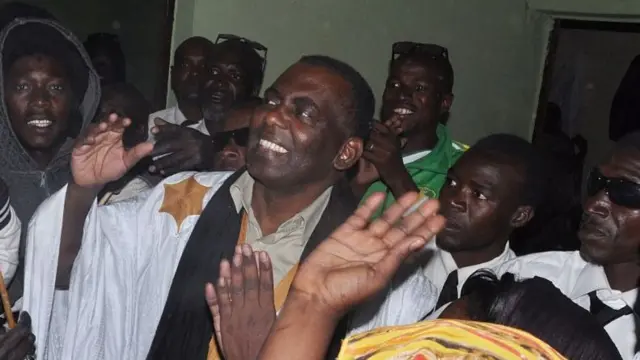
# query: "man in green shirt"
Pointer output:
{"type": "Point", "coordinates": [410, 149]}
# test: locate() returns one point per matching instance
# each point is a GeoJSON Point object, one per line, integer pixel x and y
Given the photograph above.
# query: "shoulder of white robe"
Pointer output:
{"type": "Point", "coordinates": [213, 179]}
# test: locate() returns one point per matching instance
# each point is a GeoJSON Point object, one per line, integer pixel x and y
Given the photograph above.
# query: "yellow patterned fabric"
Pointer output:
{"type": "Point", "coordinates": [446, 339]}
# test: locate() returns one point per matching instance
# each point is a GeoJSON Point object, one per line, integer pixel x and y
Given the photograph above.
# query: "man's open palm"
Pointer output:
{"type": "Point", "coordinates": [99, 155]}
{"type": "Point", "coordinates": [360, 257]}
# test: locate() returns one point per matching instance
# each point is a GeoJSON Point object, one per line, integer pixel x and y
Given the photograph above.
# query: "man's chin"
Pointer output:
{"type": "Point", "coordinates": [229, 166]}
{"type": "Point", "coordinates": [592, 256]}
{"type": "Point", "coordinates": [446, 242]}
{"type": "Point", "coordinates": [191, 97]}
{"type": "Point", "coordinates": [40, 143]}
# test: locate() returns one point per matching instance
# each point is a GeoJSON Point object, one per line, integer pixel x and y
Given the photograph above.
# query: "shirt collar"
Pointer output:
{"type": "Point", "coordinates": [463, 273]}
{"type": "Point", "coordinates": [593, 278]}
{"type": "Point", "coordinates": [442, 156]}
{"type": "Point", "coordinates": [242, 193]}
{"type": "Point", "coordinates": [178, 115]}
{"type": "Point", "coordinates": [630, 297]}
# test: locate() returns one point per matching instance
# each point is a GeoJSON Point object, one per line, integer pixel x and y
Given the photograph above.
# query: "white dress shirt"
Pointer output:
{"type": "Point", "coordinates": [173, 115]}
{"type": "Point", "coordinates": [200, 126]}
{"type": "Point", "coordinates": [414, 291]}
{"type": "Point", "coordinates": [576, 278]}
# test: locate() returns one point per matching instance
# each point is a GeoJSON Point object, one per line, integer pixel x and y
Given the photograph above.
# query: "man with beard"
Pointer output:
{"type": "Point", "coordinates": [410, 150]}
{"type": "Point", "coordinates": [50, 92]}
{"type": "Point", "coordinates": [493, 189]}
{"type": "Point", "coordinates": [139, 268]}
{"type": "Point", "coordinates": [234, 72]}
{"type": "Point", "coordinates": [603, 275]}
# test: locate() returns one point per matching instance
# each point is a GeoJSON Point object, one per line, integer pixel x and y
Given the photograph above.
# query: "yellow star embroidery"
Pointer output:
{"type": "Point", "coordinates": [183, 199]}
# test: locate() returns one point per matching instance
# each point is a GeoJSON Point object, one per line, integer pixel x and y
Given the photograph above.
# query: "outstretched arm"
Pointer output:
{"type": "Point", "coordinates": [98, 157]}
{"type": "Point", "coordinates": [354, 263]}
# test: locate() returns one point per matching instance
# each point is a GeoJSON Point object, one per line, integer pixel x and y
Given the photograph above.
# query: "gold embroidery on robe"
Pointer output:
{"type": "Point", "coordinates": [183, 199]}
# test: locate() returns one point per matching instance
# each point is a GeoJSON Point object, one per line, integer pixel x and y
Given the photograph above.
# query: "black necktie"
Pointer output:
{"type": "Point", "coordinates": [449, 291]}
{"type": "Point", "coordinates": [603, 313]}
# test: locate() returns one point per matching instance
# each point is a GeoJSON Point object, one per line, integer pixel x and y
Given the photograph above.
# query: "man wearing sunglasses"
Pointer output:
{"type": "Point", "coordinates": [231, 142]}
{"type": "Point", "coordinates": [234, 70]}
{"type": "Point", "coordinates": [603, 275]}
{"type": "Point", "coordinates": [410, 150]}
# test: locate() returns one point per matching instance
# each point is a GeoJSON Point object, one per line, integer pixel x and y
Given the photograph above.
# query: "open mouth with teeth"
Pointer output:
{"type": "Point", "coordinates": [40, 123]}
{"type": "Point", "coordinates": [266, 144]}
{"type": "Point", "coordinates": [403, 111]}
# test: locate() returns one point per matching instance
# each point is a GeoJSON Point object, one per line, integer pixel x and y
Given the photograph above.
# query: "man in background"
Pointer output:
{"type": "Point", "coordinates": [234, 72]}
{"type": "Point", "coordinates": [187, 75]}
{"type": "Point", "coordinates": [231, 142]}
{"type": "Point", "coordinates": [410, 150]}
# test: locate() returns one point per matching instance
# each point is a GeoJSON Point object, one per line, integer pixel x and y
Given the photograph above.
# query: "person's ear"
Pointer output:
{"type": "Point", "coordinates": [522, 216]}
{"type": "Point", "coordinates": [445, 104]}
{"type": "Point", "coordinates": [349, 154]}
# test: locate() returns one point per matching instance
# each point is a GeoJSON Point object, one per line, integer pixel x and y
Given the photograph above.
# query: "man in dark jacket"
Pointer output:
{"type": "Point", "coordinates": [50, 93]}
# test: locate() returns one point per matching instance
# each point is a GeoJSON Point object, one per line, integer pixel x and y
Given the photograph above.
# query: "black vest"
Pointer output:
{"type": "Point", "coordinates": [185, 328]}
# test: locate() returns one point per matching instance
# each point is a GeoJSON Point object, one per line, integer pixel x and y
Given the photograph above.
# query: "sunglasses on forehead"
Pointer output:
{"type": "Point", "coordinates": [410, 48]}
{"type": "Point", "coordinates": [621, 192]}
{"type": "Point", "coordinates": [223, 138]}
{"type": "Point", "coordinates": [261, 49]}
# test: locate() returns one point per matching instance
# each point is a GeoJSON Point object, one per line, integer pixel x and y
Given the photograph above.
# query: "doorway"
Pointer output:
{"type": "Point", "coordinates": [586, 62]}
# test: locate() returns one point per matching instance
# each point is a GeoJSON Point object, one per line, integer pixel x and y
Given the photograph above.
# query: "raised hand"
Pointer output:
{"type": "Point", "coordinates": [367, 173]}
{"type": "Point", "coordinates": [394, 124]}
{"type": "Point", "coordinates": [179, 148]}
{"type": "Point", "coordinates": [384, 151]}
{"type": "Point", "coordinates": [99, 155]}
{"type": "Point", "coordinates": [360, 258]}
{"type": "Point", "coordinates": [242, 303]}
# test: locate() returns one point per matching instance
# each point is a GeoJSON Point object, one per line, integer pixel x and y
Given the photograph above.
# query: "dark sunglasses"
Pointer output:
{"type": "Point", "coordinates": [239, 136]}
{"type": "Point", "coordinates": [261, 49]}
{"type": "Point", "coordinates": [621, 192]}
{"type": "Point", "coordinates": [409, 48]}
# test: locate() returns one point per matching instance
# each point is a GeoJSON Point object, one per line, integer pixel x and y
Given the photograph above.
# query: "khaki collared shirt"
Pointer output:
{"type": "Point", "coordinates": [285, 246]}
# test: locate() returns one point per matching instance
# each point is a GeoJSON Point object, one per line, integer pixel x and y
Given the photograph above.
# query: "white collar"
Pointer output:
{"type": "Point", "coordinates": [463, 273]}
{"type": "Point", "coordinates": [178, 115]}
{"type": "Point", "coordinates": [593, 278]}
